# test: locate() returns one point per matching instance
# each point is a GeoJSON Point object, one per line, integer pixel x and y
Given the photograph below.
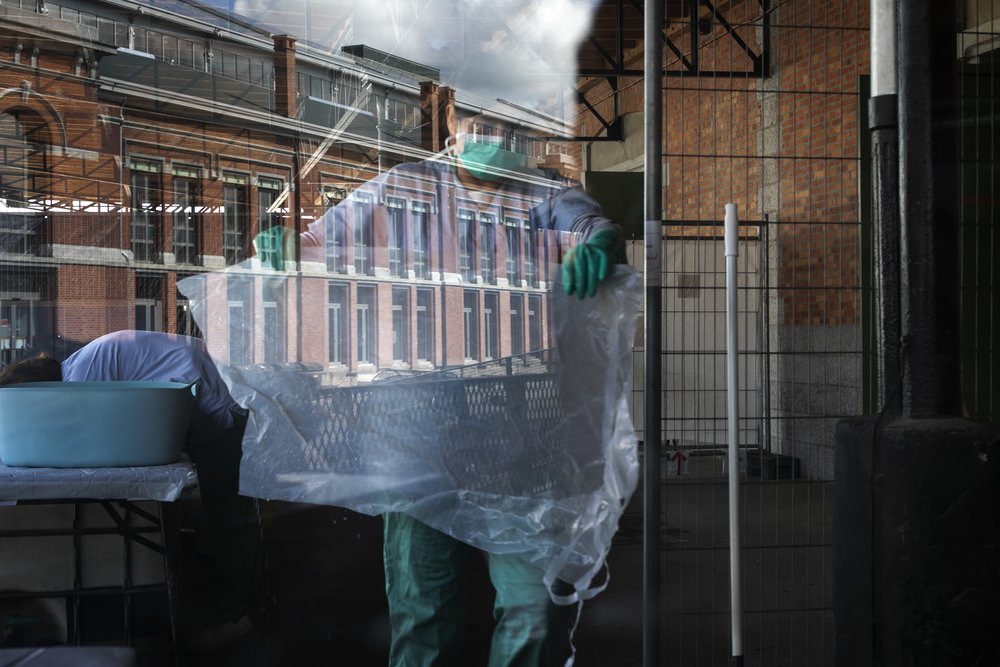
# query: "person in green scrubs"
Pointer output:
{"type": "Point", "coordinates": [427, 571]}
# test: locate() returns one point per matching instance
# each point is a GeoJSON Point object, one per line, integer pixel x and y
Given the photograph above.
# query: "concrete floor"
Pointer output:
{"type": "Point", "coordinates": [329, 608]}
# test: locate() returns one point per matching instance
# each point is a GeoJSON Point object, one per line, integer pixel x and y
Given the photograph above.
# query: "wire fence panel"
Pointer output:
{"type": "Point", "coordinates": [785, 148]}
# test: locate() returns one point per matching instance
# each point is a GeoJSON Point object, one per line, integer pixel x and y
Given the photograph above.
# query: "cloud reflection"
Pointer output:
{"type": "Point", "coordinates": [519, 50]}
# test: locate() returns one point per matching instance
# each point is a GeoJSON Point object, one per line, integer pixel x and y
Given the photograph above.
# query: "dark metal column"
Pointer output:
{"type": "Point", "coordinates": [653, 232]}
{"type": "Point", "coordinates": [928, 182]}
{"type": "Point", "coordinates": [883, 124]}
{"type": "Point", "coordinates": [915, 536]}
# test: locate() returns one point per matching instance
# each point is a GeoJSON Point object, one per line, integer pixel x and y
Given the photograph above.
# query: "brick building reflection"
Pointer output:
{"type": "Point", "coordinates": [139, 150]}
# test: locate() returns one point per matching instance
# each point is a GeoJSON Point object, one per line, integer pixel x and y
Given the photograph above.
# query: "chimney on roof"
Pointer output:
{"type": "Point", "coordinates": [434, 100]}
{"type": "Point", "coordinates": [285, 77]}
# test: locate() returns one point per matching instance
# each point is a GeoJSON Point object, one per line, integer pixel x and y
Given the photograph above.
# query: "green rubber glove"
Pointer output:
{"type": "Point", "coordinates": [588, 264]}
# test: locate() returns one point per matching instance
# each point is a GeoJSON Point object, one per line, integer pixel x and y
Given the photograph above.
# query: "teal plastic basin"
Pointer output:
{"type": "Point", "coordinates": [93, 424]}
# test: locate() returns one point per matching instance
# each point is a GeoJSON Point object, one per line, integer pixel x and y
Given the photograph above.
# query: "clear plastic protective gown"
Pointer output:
{"type": "Point", "coordinates": [533, 456]}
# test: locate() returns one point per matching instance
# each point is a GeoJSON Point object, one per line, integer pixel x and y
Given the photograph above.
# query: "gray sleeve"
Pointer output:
{"type": "Point", "coordinates": [573, 210]}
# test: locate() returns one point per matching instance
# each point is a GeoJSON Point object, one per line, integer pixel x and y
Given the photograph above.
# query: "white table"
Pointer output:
{"type": "Point", "coordinates": [116, 490]}
{"type": "Point", "coordinates": [158, 483]}
{"type": "Point", "coordinates": [60, 656]}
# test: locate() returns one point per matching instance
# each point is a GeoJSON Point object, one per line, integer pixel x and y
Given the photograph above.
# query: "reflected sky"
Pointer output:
{"type": "Point", "coordinates": [523, 51]}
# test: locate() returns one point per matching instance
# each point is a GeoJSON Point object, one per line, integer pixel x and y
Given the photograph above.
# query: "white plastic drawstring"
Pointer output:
{"type": "Point", "coordinates": [578, 595]}
{"type": "Point", "coordinates": [572, 656]}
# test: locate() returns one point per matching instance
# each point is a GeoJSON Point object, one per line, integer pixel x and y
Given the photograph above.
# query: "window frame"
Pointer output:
{"type": "Point", "coordinates": [512, 241]}
{"type": "Point", "coordinates": [491, 325]}
{"type": "Point", "coordinates": [466, 243]}
{"type": "Point", "coordinates": [185, 219]}
{"type": "Point", "coordinates": [487, 247]}
{"type": "Point", "coordinates": [366, 316]}
{"type": "Point", "coordinates": [470, 324]}
{"type": "Point", "coordinates": [363, 226]}
{"type": "Point", "coordinates": [145, 179]}
{"type": "Point", "coordinates": [338, 324]}
{"type": "Point", "coordinates": [234, 218]}
{"type": "Point", "coordinates": [396, 236]}
{"type": "Point", "coordinates": [425, 325]}
{"type": "Point", "coordinates": [401, 352]}
{"type": "Point", "coordinates": [420, 213]}
{"type": "Point", "coordinates": [516, 324]}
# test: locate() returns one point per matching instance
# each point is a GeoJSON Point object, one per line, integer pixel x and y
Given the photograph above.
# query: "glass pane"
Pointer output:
{"type": "Point", "coordinates": [398, 315]}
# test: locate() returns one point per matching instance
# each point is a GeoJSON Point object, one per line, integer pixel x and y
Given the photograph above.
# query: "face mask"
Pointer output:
{"type": "Point", "coordinates": [482, 159]}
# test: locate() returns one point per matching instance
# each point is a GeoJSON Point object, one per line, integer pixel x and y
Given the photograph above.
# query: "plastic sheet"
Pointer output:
{"type": "Point", "coordinates": [439, 369]}
{"type": "Point", "coordinates": [533, 456]}
{"type": "Point", "coordinates": [163, 483]}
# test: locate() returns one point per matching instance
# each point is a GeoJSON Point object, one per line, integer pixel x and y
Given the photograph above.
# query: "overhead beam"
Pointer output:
{"type": "Point", "coordinates": [612, 23]}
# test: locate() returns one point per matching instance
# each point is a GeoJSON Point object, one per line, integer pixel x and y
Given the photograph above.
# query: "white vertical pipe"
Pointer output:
{"type": "Point", "coordinates": [732, 388]}
{"type": "Point", "coordinates": [883, 47]}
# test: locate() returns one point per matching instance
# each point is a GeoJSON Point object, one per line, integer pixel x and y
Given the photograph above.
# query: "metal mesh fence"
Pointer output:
{"type": "Point", "coordinates": [784, 147]}
{"type": "Point", "coordinates": [790, 148]}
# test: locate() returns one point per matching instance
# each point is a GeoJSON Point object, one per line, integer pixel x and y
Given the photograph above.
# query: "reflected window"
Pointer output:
{"type": "Point", "coordinates": [170, 49]}
{"type": "Point", "coordinates": [20, 227]}
{"type": "Point", "coordinates": [363, 234]}
{"type": "Point", "coordinates": [234, 216]}
{"type": "Point", "coordinates": [240, 312]}
{"type": "Point", "coordinates": [487, 247]}
{"type": "Point", "coordinates": [270, 249]}
{"type": "Point", "coordinates": [471, 324]}
{"type": "Point", "coordinates": [22, 159]}
{"type": "Point", "coordinates": [401, 324]}
{"type": "Point", "coordinates": [512, 234]}
{"type": "Point", "coordinates": [530, 255]}
{"type": "Point", "coordinates": [420, 239]}
{"type": "Point", "coordinates": [336, 245]}
{"type": "Point", "coordinates": [268, 214]}
{"type": "Point", "coordinates": [521, 144]}
{"type": "Point", "coordinates": [397, 236]}
{"type": "Point", "coordinates": [337, 324]}
{"type": "Point", "coordinates": [25, 315]}
{"type": "Point", "coordinates": [185, 220]}
{"type": "Point", "coordinates": [274, 321]}
{"type": "Point", "coordinates": [491, 329]}
{"type": "Point", "coordinates": [534, 323]}
{"type": "Point", "coordinates": [145, 181]}
{"type": "Point", "coordinates": [365, 316]}
{"type": "Point", "coordinates": [148, 302]}
{"type": "Point", "coordinates": [180, 51]}
{"type": "Point", "coordinates": [466, 244]}
{"type": "Point", "coordinates": [516, 324]}
{"type": "Point", "coordinates": [425, 325]}
{"type": "Point", "coordinates": [404, 114]}
{"type": "Point", "coordinates": [348, 90]}
{"type": "Point", "coordinates": [186, 325]}
{"type": "Point", "coordinates": [485, 134]}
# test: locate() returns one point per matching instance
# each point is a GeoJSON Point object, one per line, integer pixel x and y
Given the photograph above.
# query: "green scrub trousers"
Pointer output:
{"type": "Point", "coordinates": [425, 579]}
{"type": "Point", "coordinates": [227, 547]}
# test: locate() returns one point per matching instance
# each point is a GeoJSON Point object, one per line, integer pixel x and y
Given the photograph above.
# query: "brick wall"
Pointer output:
{"type": "Point", "coordinates": [784, 148]}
